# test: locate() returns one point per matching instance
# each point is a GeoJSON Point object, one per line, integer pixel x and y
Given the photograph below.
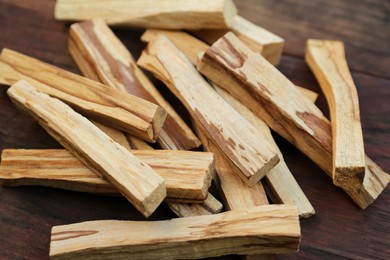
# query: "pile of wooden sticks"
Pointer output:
{"type": "Point", "coordinates": [221, 67]}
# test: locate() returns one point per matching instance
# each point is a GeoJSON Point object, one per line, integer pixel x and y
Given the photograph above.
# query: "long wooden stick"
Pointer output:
{"type": "Point", "coordinates": [271, 96]}
{"type": "Point", "coordinates": [101, 56]}
{"type": "Point", "coordinates": [187, 175]}
{"type": "Point", "coordinates": [255, 37]}
{"type": "Point", "coordinates": [115, 108]}
{"type": "Point", "coordinates": [139, 183]}
{"type": "Point", "coordinates": [264, 229]}
{"type": "Point", "coordinates": [280, 183]}
{"type": "Point", "coordinates": [166, 14]}
{"type": "Point", "coordinates": [235, 137]}
{"type": "Point", "coordinates": [328, 63]}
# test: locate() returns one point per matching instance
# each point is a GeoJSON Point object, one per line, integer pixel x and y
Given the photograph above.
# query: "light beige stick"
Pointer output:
{"type": "Point", "coordinates": [263, 89]}
{"type": "Point", "coordinates": [232, 189]}
{"type": "Point", "coordinates": [210, 206]}
{"type": "Point", "coordinates": [166, 14]}
{"type": "Point", "coordinates": [193, 47]}
{"type": "Point", "coordinates": [139, 183]}
{"type": "Point", "coordinates": [255, 37]}
{"type": "Point", "coordinates": [280, 183]}
{"type": "Point", "coordinates": [328, 63]}
{"type": "Point", "coordinates": [264, 229]}
{"type": "Point", "coordinates": [187, 175]}
{"type": "Point", "coordinates": [100, 102]}
{"type": "Point", "coordinates": [101, 56]}
{"type": "Point", "coordinates": [235, 137]}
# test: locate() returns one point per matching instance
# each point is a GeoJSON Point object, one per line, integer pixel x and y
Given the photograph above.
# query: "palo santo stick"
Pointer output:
{"type": "Point", "coordinates": [192, 47]}
{"type": "Point", "coordinates": [187, 43]}
{"type": "Point", "coordinates": [280, 184]}
{"type": "Point", "coordinates": [187, 175]}
{"type": "Point", "coordinates": [235, 193]}
{"type": "Point", "coordinates": [260, 86]}
{"type": "Point", "coordinates": [210, 206]}
{"type": "Point", "coordinates": [255, 37]}
{"type": "Point", "coordinates": [115, 135]}
{"type": "Point", "coordinates": [328, 63]}
{"type": "Point", "coordinates": [164, 14]}
{"type": "Point", "coordinates": [100, 102]}
{"type": "Point", "coordinates": [101, 56]}
{"type": "Point", "coordinates": [139, 183]}
{"type": "Point", "coordinates": [264, 229]}
{"type": "Point", "coordinates": [235, 137]}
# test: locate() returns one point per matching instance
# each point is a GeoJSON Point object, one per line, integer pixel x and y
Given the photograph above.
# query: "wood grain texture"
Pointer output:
{"type": "Point", "coordinates": [232, 189]}
{"type": "Point", "coordinates": [269, 94]}
{"type": "Point", "coordinates": [368, 50]}
{"type": "Point", "coordinates": [339, 230]}
{"type": "Point", "coordinates": [237, 139]}
{"type": "Point", "coordinates": [255, 37]}
{"type": "Point", "coordinates": [210, 206]}
{"type": "Point", "coordinates": [187, 175]}
{"type": "Point", "coordinates": [140, 184]}
{"type": "Point", "coordinates": [165, 14]}
{"type": "Point", "coordinates": [328, 63]}
{"type": "Point", "coordinates": [265, 229]}
{"type": "Point", "coordinates": [280, 184]}
{"type": "Point", "coordinates": [101, 56]}
{"type": "Point", "coordinates": [142, 118]}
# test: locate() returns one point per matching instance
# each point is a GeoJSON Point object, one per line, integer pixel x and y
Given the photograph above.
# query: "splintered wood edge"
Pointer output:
{"type": "Point", "coordinates": [327, 61]}
{"type": "Point", "coordinates": [371, 189]}
{"type": "Point", "coordinates": [264, 229]}
{"type": "Point", "coordinates": [85, 48]}
{"type": "Point", "coordinates": [152, 61]}
{"type": "Point", "coordinates": [209, 206]}
{"type": "Point", "coordinates": [37, 104]}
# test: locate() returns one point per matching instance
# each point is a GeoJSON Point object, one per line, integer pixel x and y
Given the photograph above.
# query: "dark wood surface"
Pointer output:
{"type": "Point", "coordinates": [339, 230]}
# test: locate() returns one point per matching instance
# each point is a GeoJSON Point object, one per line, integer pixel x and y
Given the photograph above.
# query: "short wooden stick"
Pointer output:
{"type": "Point", "coordinates": [139, 183]}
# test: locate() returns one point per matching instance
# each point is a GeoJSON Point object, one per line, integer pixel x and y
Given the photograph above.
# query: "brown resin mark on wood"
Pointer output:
{"type": "Point", "coordinates": [72, 234]}
{"type": "Point", "coordinates": [322, 129]}
{"type": "Point", "coordinates": [263, 88]}
{"type": "Point", "coordinates": [235, 61]}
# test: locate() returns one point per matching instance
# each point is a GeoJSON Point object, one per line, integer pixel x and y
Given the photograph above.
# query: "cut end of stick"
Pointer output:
{"type": "Point", "coordinates": [350, 178]}
{"type": "Point", "coordinates": [230, 12]}
{"type": "Point", "coordinates": [254, 179]}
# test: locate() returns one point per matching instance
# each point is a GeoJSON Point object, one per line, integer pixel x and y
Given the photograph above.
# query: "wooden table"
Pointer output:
{"type": "Point", "coordinates": [339, 230]}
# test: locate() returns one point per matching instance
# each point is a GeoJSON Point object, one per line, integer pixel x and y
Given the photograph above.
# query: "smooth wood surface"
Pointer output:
{"type": "Point", "coordinates": [265, 229]}
{"type": "Point", "coordinates": [187, 175]}
{"type": "Point", "coordinates": [124, 111]}
{"type": "Point", "coordinates": [101, 56]}
{"type": "Point", "coordinates": [339, 230]}
{"type": "Point", "coordinates": [255, 37]}
{"type": "Point", "coordinates": [270, 95]}
{"type": "Point", "coordinates": [165, 14]}
{"type": "Point", "coordinates": [327, 61]}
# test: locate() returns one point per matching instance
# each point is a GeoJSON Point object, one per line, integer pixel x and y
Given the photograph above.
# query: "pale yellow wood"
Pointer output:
{"type": "Point", "coordinates": [235, 193]}
{"type": "Point", "coordinates": [210, 206]}
{"type": "Point", "coordinates": [235, 137]}
{"type": "Point", "coordinates": [311, 95]}
{"type": "Point", "coordinates": [193, 47]}
{"type": "Point", "coordinates": [165, 14]}
{"type": "Point", "coordinates": [255, 37]}
{"type": "Point", "coordinates": [328, 63]}
{"type": "Point", "coordinates": [280, 183]}
{"type": "Point", "coordinates": [263, 89]}
{"type": "Point", "coordinates": [139, 183]}
{"type": "Point", "coordinates": [100, 102]}
{"type": "Point", "coordinates": [188, 44]}
{"type": "Point", "coordinates": [264, 229]}
{"type": "Point", "coordinates": [101, 56]}
{"type": "Point", "coordinates": [187, 175]}
{"type": "Point", "coordinates": [115, 134]}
